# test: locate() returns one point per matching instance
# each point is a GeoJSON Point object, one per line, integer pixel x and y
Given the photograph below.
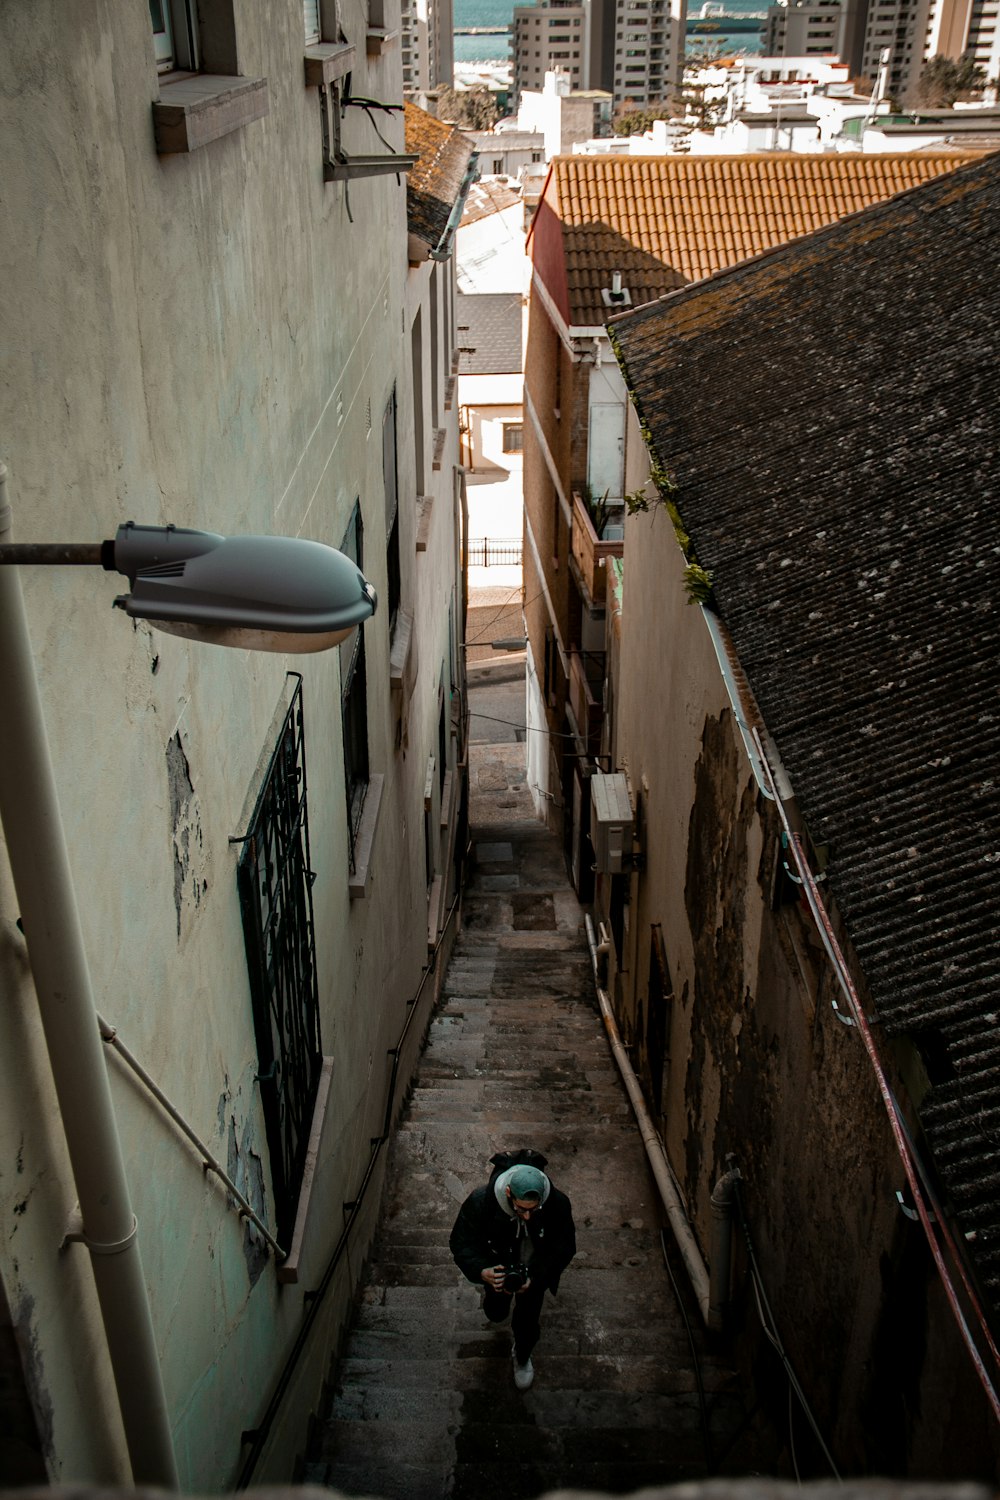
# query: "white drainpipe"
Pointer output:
{"type": "Point", "coordinates": [39, 864]}
{"type": "Point", "coordinates": [712, 1293]}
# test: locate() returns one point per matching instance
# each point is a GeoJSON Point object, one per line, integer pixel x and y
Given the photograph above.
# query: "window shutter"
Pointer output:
{"type": "Point", "coordinates": [310, 11]}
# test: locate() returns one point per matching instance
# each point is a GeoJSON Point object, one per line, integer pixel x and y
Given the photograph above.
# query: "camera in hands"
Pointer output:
{"type": "Point", "coordinates": [514, 1277]}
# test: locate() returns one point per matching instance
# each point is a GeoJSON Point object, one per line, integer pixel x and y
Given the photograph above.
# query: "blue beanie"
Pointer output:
{"type": "Point", "coordinates": [526, 1182]}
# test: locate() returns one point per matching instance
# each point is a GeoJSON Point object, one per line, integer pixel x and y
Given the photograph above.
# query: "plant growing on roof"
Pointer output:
{"type": "Point", "coordinates": [697, 583]}
{"type": "Point", "coordinates": [697, 580]}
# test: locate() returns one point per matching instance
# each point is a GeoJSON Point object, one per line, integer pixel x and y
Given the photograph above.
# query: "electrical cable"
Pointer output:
{"type": "Point", "coordinates": [368, 105]}
{"type": "Point", "coordinates": [771, 1333]}
{"type": "Point", "coordinates": [556, 734]}
{"type": "Point", "coordinates": [493, 618]}
{"type": "Point", "coordinates": [703, 1404]}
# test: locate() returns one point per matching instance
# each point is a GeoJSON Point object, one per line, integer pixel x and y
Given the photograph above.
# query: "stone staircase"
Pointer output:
{"type": "Point", "coordinates": [424, 1405]}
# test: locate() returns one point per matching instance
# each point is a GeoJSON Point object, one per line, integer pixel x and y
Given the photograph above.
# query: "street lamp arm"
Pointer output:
{"type": "Point", "coordinates": [57, 554]}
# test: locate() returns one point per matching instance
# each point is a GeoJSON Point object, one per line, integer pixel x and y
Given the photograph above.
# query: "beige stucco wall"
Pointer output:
{"type": "Point", "coordinates": [207, 340]}
{"type": "Point", "coordinates": [760, 1073]}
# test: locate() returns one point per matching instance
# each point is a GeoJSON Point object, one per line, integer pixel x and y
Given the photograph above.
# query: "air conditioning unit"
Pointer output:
{"type": "Point", "coordinates": [611, 822]}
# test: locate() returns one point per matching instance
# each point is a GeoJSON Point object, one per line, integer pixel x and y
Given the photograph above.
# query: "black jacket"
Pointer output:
{"type": "Point", "coordinates": [485, 1236]}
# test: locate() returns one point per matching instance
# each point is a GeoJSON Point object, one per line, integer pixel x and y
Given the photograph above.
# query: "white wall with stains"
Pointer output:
{"type": "Point", "coordinates": [206, 339]}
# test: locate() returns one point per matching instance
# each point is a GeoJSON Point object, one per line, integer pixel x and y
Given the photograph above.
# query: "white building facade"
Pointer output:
{"type": "Point", "coordinates": [211, 321]}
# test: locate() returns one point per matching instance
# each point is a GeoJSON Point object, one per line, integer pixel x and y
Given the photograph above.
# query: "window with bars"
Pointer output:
{"type": "Point", "coordinates": [275, 879]}
{"type": "Point", "coordinates": [354, 699]}
{"type": "Point", "coordinates": [390, 476]}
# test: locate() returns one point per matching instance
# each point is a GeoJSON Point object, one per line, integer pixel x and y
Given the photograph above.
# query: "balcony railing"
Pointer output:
{"type": "Point", "coordinates": [586, 694]}
{"type": "Point", "coordinates": [590, 554]}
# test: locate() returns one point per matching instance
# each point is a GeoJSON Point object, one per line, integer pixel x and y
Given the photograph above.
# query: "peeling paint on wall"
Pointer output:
{"type": "Point", "coordinates": [717, 900]}
{"type": "Point", "coordinates": [190, 860]}
{"type": "Point", "coordinates": [247, 1171]}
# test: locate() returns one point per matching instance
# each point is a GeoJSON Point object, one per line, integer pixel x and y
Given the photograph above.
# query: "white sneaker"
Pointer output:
{"type": "Point", "coordinates": [523, 1374]}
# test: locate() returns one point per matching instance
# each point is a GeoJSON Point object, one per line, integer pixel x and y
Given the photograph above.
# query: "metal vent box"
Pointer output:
{"type": "Point", "coordinates": [610, 822]}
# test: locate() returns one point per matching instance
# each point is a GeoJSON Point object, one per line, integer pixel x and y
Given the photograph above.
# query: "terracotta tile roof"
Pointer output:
{"type": "Point", "coordinates": [667, 220]}
{"type": "Point", "coordinates": [435, 183]}
{"type": "Point", "coordinates": [830, 413]}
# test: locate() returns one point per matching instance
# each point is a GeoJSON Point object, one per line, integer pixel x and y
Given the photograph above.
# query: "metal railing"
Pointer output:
{"type": "Point", "coordinates": [494, 552]}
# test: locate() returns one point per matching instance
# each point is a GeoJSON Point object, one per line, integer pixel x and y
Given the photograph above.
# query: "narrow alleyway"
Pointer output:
{"type": "Point", "coordinates": [424, 1403]}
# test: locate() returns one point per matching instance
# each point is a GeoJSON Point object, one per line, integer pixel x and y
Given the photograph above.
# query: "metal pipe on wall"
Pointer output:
{"type": "Point", "coordinates": [721, 1259]}
{"type": "Point", "coordinates": [210, 1162]}
{"type": "Point", "coordinates": [39, 863]}
{"type": "Point", "coordinates": [660, 1167]}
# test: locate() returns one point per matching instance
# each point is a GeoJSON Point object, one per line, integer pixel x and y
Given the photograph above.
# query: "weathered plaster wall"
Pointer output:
{"type": "Point", "coordinates": [551, 388]}
{"type": "Point", "coordinates": [207, 340]}
{"type": "Point", "coordinates": [762, 1074]}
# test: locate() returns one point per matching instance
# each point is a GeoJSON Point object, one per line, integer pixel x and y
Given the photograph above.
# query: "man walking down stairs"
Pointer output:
{"type": "Point", "coordinates": [425, 1404]}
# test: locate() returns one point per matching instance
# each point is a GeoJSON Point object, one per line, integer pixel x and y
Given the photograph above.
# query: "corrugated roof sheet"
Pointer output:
{"type": "Point", "coordinates": [489, 333]}
{"type": "Point", "coordinates": [434, 184]}
{"type": "Point", "coordinates": [831, 413]}
{"type": "Point", "coordinates": [664, 221]}
{"type": "Point", "coordinates": [486, 198]}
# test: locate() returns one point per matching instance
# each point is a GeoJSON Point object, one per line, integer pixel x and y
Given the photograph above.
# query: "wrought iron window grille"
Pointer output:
{"type": "Point", "coordinates": [275, 880]}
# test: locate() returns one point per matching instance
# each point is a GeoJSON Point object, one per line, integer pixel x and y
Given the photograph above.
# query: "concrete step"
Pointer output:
{"type": "Point", "coordinates": [423, 1403]}
{"type": "Point", "coordinates": [582, 1380]}
{"type": "Point", "coordinates": [388, 1333]}
{"type": "Point", "coordinates": [610, 1249]}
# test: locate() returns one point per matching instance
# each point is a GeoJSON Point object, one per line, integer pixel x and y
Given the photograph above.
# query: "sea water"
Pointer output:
{"type": "Point", "coordinates": [499, 14]}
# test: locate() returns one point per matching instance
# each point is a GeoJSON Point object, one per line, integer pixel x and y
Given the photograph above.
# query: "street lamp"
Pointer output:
{"type": "Point", "coordinates": [263, 593]}
{"type": "Point", "coordinates": [260, 593]}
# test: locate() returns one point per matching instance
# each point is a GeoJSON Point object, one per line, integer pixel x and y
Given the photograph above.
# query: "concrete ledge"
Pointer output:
{"type": "Point", "coordinates": [201, 107]}
{"type": "Point", "coordinates": [402, 654]}
{"type": "Point", "coordinates": [359, 882]}
{"type": "Point", "coordinates": [327, 61]}
{"type": "Point", "coordinates": [288, 1270]}
{"type": "Point", "coordinates": [378, 39]}
{"type": "Point", "coordinates": [425, 505]}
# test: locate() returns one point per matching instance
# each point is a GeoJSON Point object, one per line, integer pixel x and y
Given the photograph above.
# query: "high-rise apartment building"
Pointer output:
{"type": "Point", "coordinates": [633, 49]}
{"type": "Point", "coordinates": [428, 44]}
{"type": "Point", "coordinates": [910, 31]}
{"type": "Point", "coordinates": [983, 44]}
{"type": "Point", "coordinates": [816, 28]}
{"type": "Point", "coordinates": [649, 47]}
{"type": "Point", "coordinates": [552, 38]}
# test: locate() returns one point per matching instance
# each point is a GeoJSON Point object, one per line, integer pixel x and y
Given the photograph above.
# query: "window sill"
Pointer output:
{"type": "Point", "coordinates": [379, 39]}
{"type": "Point", "coordinates": [202, 107]}
{"type": "Point", "coordinates": [402, 656]}
{"type": "Point", "coordinates": [425, 505]}
{"type": "Point", "coordinates": [440, 438]}
{"type": "Point", "coordinates": [435, 911]}
{"type": "Point", "coordinates": [447, 797]}
{"type": "Point", "coordinates": [288, 1270]}
{"type": "Point", "coordinates": [327, 61]}
{"type": "Point", "coordinates": [359, 882]}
